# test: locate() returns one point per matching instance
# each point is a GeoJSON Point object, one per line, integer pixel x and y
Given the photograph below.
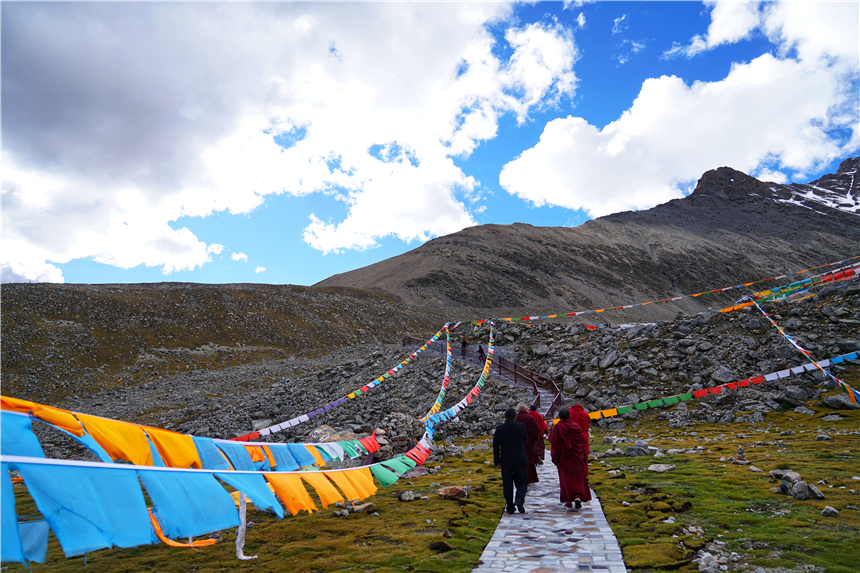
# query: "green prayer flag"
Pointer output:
{"type": "Point", "coordinates": [383, 475]}
{"type": "Point", "coordinates": [655, 403]}
{"type": "Point", "coordinates": [641, 406]}
{"type": "Point", "coordinates": [625, 409]}
{"type": "Point", "coordinates": [670, 400]}
{"type": "Point", "coordinates": [685, 397]}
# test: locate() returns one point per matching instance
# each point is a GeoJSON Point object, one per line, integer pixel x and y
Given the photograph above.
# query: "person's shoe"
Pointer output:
{"type": "Point", "coordinates": [510, 510]}
{"type": "Point", "coordinates": [521, 508]}
{"type": "Point", "coordinates": [577, 504]}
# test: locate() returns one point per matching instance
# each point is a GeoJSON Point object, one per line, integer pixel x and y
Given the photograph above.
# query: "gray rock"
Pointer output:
{"type": "Point", "coordinates": [832, 418]}
{"type": "Point", "coordinates": [722, 374]}
{"type": "Point", "coordinates": [407, 495]}
{"type": "Point", "coordinates": [541, 350]}
{"type": "Point", "coordinates": [609, 359]}
{"type": "Point", "coordinates": [823, 438]}
{"type": "Point", "coordinates": [814, 492]}
{"type": "Point", "coordinates": [829, 512]}
{"type": "Point", "coordinates": [633, 451]}
{"type": "Point", "coordinates": [841, 402]}
{"type": "Point", "coordinates": [661, 468]}
{"type": "Point", "coordinates": [804, 410]}
{"type": "Point", "coordinates": [756, 418]}
{"type": "Point", "coordinates": [800, 491]}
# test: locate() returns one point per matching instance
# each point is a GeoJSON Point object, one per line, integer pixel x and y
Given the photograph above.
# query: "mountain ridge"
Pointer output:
{"type": "Point", "coordinates": [733, 228]}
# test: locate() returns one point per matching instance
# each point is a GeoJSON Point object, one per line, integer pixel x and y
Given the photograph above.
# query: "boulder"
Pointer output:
{"type": "Point", "coordinates": [829, 512]}
{"type": "Point", "coordinates": [452, 492]}
{"type": "Point", "coordinates": [841, 402]}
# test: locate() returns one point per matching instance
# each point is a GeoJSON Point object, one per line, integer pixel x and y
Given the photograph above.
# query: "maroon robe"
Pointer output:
{"type": "Point", "coordinates": [531, 445]}
{"type": "Point", "coordinates": [580, 416]}
{"type": "Point", "coordinates": [570, 455]}
{"type": "Point", "coordinates": [541, 445]}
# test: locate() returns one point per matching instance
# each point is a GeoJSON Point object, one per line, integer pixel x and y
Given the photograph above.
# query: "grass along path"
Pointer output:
{"type": "Point", "coordinates": [733, 506]}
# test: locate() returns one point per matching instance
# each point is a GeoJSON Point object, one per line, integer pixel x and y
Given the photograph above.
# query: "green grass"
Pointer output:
{"type": "Point", "coordinates": [776, 531]}
{"type": "Point", "coordinates": [734, 505]}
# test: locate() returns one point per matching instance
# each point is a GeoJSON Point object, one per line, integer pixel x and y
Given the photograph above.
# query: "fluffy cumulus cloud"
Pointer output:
{"type": "Point", "coordinates": [259, 270]}
{"type": "Point", "coordinates": [121, 118]}
{"type": "Point", "coordinates": [793, 111]}
{"type": "Point", "coordinates": [239, 257]}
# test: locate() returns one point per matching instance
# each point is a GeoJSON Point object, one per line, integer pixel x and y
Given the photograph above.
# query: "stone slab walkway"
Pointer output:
{"type": "Point", "coordinates": [549, 538]}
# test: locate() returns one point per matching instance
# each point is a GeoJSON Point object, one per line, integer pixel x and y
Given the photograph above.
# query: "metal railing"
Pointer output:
{"type": "Point", "coordinates": [505, 368]}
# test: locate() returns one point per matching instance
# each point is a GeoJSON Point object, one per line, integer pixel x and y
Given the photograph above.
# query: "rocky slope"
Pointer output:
{"type": "Point", "coordinates": [607, 367]}
{"type": "Point", "coordinates": [731, 229]}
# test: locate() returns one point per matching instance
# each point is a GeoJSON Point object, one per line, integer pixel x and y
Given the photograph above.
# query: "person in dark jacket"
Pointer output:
{"type": "Point", "coordinates": [509, 454]}
{"type": "Point", "coordinates": [531, 445]}
{"type": "Point", "coordinates": [481, 356]}
{"type": "Point", "coordinates": [463, 347]}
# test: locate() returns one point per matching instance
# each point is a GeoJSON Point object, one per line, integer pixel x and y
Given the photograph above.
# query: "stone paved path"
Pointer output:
{"type": "Point", "coordinates": [550, 538]}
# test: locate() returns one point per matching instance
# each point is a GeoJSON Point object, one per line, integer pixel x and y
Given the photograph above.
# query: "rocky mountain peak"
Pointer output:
{"type": "Point", "coordinates": [726, 182]}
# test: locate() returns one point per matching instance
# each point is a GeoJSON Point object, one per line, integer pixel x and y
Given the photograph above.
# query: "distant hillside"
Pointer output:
{"type": "Point", "coordinates": [64, 340]}
{"type": "Point", "coordinates": [731, 229]}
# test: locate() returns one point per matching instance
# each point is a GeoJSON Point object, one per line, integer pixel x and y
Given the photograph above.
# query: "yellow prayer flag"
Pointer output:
{"type": "Point", "coordinates": [345, 485]}
{"type": "Point", "coordinates": [325, 490]}
{"type": "Point", "coordinates": [120, 440]}
{"type": "Point", "coordinates": [177, 450]}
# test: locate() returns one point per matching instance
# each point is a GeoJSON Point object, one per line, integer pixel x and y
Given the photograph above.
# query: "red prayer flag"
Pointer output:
{"type": "Point", "coordinates": [743, 383]}
{"type": "Point", "coordinates": [757, 380]}
{"type": "Point", "coordinates": [700, 393]}
{"type": "Point", "coordinates": [715, 390]}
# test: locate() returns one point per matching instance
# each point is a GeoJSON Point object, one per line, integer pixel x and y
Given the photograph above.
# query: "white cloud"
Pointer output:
{"type": "Point", "coordinates": [580, 20]}
{"type": "Point", "coordinates": [771, 115]}
{"type": "Point", "coordinates": [730, 23]}
{"type": "Point", "coordinates": [239, 257]}
{"type": "Point", "coordinates": [146, 132]}
{"type": "Point", "coordinates": [770, 175]}
{"type": "Point", "coordinates": [260, 270]}
{"type": "Point", "coordinates": [619, 25]}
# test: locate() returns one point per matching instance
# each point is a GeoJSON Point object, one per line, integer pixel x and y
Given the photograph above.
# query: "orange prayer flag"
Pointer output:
{"type": "Point", "coordinates": [194, 544]}
{"type": "Point", "coordinates": [345, 485]}
{"type": "Point", "coordinates": [320, 461]}
{"type": "Point", "coordinates": [327, 493]}
{"type": "Point", "coordinates": [120, 440]}
{"type": "Point", "coordinates": [594, 415]}
{"type": "Point", "coordinates": [272, 462]}
{"type": "Point", "coordinates": [16, 405]}
{"type": "Point", "coordinates": [610, 412]}
{"type": "Point", "coordinates": [177, 450]}
{"type": "Point", "coordinates": [62, 419]}
{"type": "Point", "coordinates": [256, 453]}
{"type": "Point", "coordinates": [289, 488]}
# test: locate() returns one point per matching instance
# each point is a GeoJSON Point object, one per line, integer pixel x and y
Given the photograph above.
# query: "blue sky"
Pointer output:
{"type": "Point", "coordinates": [284, 143]}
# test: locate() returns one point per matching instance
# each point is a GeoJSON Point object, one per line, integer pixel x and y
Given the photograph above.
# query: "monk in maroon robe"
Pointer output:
{"type": "Point", "coordinates": [532, 438]}
{"type": "Point", "coordinates": [570, 455]}
{"type": "Point", "coordinates": [541, 445]}
{"type": "Point", "coordinates": [580, 416]}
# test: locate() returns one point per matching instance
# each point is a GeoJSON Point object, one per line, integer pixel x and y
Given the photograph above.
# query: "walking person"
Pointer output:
{"type": "Point", "coordinates": [532, 438]}
{"type": "Point", "coordinates": [481, 356]}
{"type": "Point", "coordinates": [509, 454]}
{"type": "Point", "coordinates": [580, 416]}
{"type": "Point", "coordinates": [569, 453]}
{"type": "Point", "coordinates": [463, 347]}
{"type": "Point", "coordinates": [541, 445]}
